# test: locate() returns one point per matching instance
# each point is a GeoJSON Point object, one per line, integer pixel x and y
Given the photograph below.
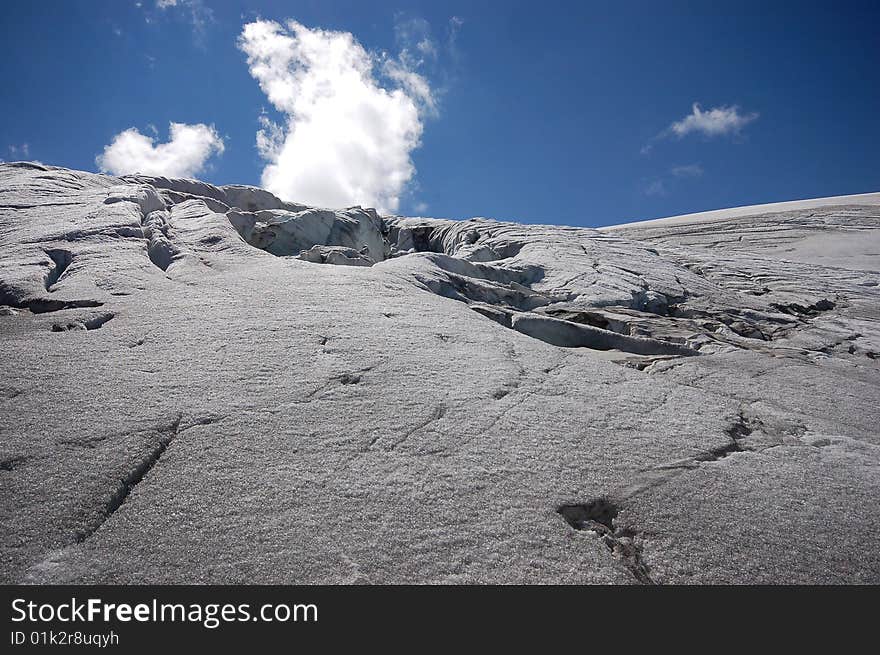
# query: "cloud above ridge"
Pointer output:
{"type": "Point", "coordinates": [351, 118]}
{"type": "Point", "coordinates": [185, 154]}
{"type": "Point", "coordinates": [718, 121]}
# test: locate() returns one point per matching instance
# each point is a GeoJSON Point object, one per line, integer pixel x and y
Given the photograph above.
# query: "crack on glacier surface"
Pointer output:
{"type": "Point", "coordinates": [90, 323]}
{"type": "Point", "coordinates": [131, 479]}
{"type": "Point", "coordinates": [12, 463]}
{"type": "Point", "coordinates": [161, 251]}
{"type": "Point", "coordinates": [61, 260]}
{"type": "Point", "coordinates": [599, 516]}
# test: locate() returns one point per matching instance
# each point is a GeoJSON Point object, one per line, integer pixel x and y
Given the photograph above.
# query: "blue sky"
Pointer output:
{"type": "Point", "coordinates": [557, 112]}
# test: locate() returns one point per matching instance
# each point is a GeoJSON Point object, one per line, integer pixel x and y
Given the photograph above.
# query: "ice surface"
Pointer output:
{"type": "Point", "coordinates": [192, 392]}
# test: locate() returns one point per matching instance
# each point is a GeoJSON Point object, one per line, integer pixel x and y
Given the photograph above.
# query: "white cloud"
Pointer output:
{"type": "Point", "coordinates": [270, 138]}
{"type": "Point", "coordinates": [346, 137]}
{"type": "Point", "coordinates": [718, 121]}
{"type": "Point", "coordinates": [714, 122]}
{"type": "Point", "coordinates": [24, 149]}
{"type": "Point", "coordinates": [194, 11]}
{"type": "Point", "coordinates": [417, 46]}
{"type": "Point", "coordinates": [671, 181]}
{"type": "Point", "coordinates": [655, 188]}
{"type": "Point", "coordinates": [184, 154]}
{"type": "Point", "coordinates": [416, 86]}
{"type": "Point", "coordinates": [415, 34]}
{"type": "Point", "coordinates": [688, 170]}
{"type": "Point", "coordinates": [427, 47]}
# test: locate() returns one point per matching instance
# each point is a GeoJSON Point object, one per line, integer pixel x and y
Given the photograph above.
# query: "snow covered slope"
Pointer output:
{"type": "Point", "coordinates": [192, 391]}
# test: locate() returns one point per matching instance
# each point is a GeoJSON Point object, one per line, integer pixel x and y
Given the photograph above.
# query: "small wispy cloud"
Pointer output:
{"type": "Point", "coordinates": [22, 149]}
{"type": "Point", "coordinates": [671, 180]}
{"type": "Point", "coordinates": [418, 58]}
{"type": "Point", "coordinates": [196, 12]}
{"type": "Point", "coordinates": [655, 188]}
{"type": "Point", "coordinates": [433, 54]}
{"type": "Point", "coordinates": [185, 154]}
{"type": "Point", "coordinates": [688, 170]}
{"type": "Point", "coordinates": [414, 33]}
{"type": "Point", "coordinates": [452, 30]}
{"type": "Point", "coordinates": [715, 122]}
